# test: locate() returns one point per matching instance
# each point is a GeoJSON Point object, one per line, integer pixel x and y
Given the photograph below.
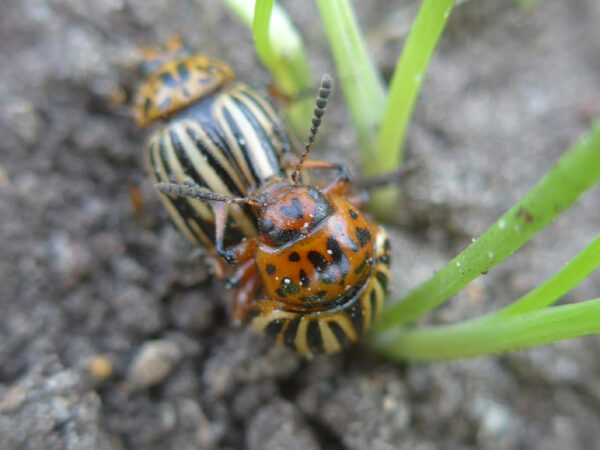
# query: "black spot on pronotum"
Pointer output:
{"type": "Point", "coordinates": [183, 71]}
{"type": "Point", "coordinates": [363, 235]}
{"type": "Point", "coordinates": [304, 280]}
{"type": "Point", "coordinates": [334, 249]}
{"type": "Point", "coordinates": [294, 211]}
{"type": "Point", "coordinates": [270, 268]}
{"type": "Point", "coordinates": [337, 255]}
{"type": "Point", "coordinates": [318, 261]}
{"type": "Point", "coordinates": [294, 257]}
{"type": "Point", "coordinates": [168, 79]}
{"type": "Point", "coordinates": [288, 286]}
{"type": "Point", "coordinates": [353, 214]}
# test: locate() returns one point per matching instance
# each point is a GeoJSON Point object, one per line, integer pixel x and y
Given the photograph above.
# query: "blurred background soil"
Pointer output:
{"type": "Point", "coordinates": [112, 336]}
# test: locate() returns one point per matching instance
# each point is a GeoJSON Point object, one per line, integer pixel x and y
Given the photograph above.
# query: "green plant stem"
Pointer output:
{"type": "Point", "coordinates": [559, 284]}
{"type": "Point", "coordinates": [361, 82]}
{"type": "Point", "coordinates": [489, 335]}
{"type": "Point", "coordinates": [280, 48]}
{"type": "Point", "coordinates": [406, 84]}
{"type": "Point", "coordinates": [576, 171]}
{"type": "Point", "coordinates": [511, 328]}
{"type": "Point", "coordinates": [364, 91]}
{"type": "Point", "coordinates": [404, 89]}
{"type": "Point", "coordinates": [266, 53]}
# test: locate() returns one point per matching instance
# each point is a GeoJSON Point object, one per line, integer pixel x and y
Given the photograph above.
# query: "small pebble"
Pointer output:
{"type": "Point", "coordinates": [4, 180]}
{"type": "Point", "coordinates": [153, 363]}
{"type": "Point", "coordinates": [13, 399]}
{"type": "Point", "coordinates": [100, 367]}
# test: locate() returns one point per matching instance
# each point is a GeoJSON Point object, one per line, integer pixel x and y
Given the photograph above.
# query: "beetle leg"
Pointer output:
{"type": "Point", "coordinates": [220, 213]}
{"type": "Point", "coordinates": [246, 281]}
{"type": "Point", "coordinates": [241, 252]}
{"type": "Point", "coordinates": [340, 185]}
{"type": "Point", "coordinates": [245, 296]}
{"type": "Point", "coordinates": [216, 265]}
{"type": "Point", "coordinates": [241, 274]}
{"type": "Point", "coordinates": [359, 199]}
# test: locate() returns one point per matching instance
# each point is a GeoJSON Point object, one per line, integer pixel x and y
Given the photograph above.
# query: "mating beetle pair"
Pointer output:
{"type": "Point", "coordinates": [310, 269]}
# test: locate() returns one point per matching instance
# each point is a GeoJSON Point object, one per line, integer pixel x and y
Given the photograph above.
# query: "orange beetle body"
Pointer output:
{"type": "Point", "coordinates": [322, 288]}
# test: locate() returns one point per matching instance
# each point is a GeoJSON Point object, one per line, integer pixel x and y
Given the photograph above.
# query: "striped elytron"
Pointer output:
{"type": "Point", "coordinates": [216, 133]}
{"type": "Point", "coordinates": [311, 269]}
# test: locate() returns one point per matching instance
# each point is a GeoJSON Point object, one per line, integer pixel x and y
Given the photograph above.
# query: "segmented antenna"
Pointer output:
{"type": "Point", "coordinates": [321, 103]}
{"type": "Point", "coordinates": [192, 191]}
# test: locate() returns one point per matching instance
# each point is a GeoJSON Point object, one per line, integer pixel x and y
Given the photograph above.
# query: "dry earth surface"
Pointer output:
{"type": "Point", "coordinates": [112, 336]}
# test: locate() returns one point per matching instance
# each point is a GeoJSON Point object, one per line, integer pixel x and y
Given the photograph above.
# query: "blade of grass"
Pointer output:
{"type": "Point", "coordinates": [406, 84]}
{"type": "Point", "coordinates": [404, 89]}
{"type": "Point", "coordinates": [477, 331]}
{"type": "Point", "coordinates": [361, 82]}
{"type": "Point", "coordinates": [576, 171]}
{"type": "Point", "coordinates": [276, 65]}
{"type": "Point", "coordinates": [576, 270]}
{"type": "Point", "coordinates": [364, 91]}
{"type": "Point", "coordinates": [280, 48]}
{"type": "Point", "coordinates": [489, 335]}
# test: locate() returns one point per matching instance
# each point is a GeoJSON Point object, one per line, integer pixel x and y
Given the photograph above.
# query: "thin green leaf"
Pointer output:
{"type": "Point", "coordinates": [361, 82]}
{"type": "Point", "coordinates": [489, 335]}
{"type": "Point", "coordinates": [262, 43]}
{"type": "Point", "coordinates": [560, 283]}
{"type": "Point", "coordinates": [575, 172]}
{"type": "Point", "coordinates": [406, 84]}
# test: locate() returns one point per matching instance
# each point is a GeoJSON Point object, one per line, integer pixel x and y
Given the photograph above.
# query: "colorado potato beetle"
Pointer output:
{"type": "Point", "coordinates": [315, 275]}
{"type": "Point", "coordinates": [213, 131]}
